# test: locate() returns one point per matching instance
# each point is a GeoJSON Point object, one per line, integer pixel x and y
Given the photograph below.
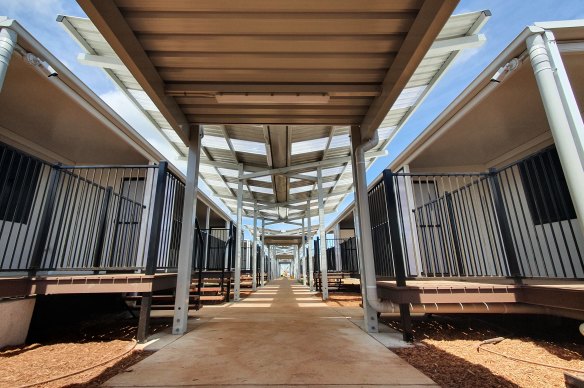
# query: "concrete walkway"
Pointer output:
{"type": "Point", "coordinates": [280, 335]}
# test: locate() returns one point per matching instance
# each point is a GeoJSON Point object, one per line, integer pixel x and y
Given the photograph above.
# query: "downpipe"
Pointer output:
{"type": "Point", "coordinates": [366, 241]}
{"type": "Point", "coordinates": [7, 44]}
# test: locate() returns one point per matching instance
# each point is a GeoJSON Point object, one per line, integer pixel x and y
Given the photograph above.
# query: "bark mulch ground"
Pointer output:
{"type": "Point", "coordinates": [446, 347]}
{"type": "Point", "coordinates": [67, 349]}
{"type": "Point", "coordinates": [446, 350]}
{"type": "Point", "coordinates": [58, 347]}
{"type": "Point", "coordinates": [342, 299]}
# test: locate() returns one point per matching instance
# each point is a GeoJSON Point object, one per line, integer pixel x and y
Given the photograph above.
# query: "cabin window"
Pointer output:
{"type": "Point", "coordinates": [546, 191]}
{"type": "Point", "coordinates": [18, 179]}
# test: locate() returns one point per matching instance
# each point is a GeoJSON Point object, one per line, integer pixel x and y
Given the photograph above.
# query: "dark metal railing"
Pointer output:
{"type": "Point", "coordinates": [330, 255]}
{"type": "Point", "coordinates": [87, 218]}
{"type": "Point", "coordinates": [345, 248]}
{"type": "Point", "coordinates": [218, 257]}
{"type": "Point", "coordinates": [514, 222]}
{"type": "Point", "coordinates": [349, 255]}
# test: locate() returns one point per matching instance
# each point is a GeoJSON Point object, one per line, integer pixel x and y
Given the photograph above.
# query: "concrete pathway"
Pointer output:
{"type": "Point", "coordinates": [280, 335]}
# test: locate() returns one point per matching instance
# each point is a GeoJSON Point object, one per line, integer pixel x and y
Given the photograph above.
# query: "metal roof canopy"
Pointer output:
{"type": "Point", "coordinates": [347, 66]}
{"type": "Point", "coordinates": [519, 128]}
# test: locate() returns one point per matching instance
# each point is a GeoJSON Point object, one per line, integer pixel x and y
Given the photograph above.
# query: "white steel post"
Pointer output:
{"type": "Point", "coordinates": [337, 234]}
{"type": "Point", "coordinates": [322, 245]}
{"type": "Point", "coordinates": [363, 232]}
{"type": "Point", "coordinates": [567, 130]}
{"type": "Point", "coordinates": [238, 236]}
{"type": "Point", "coordinates": [297, 260]}
{"type": "Point", "coordinates": [254, 263]}
{"type": "Point", "coordinates": [185, 256]}
{"type": "Point", "coordinates": [309, 242]}
{"type": "Point", "coordinates": [303, 245]}
{"type": "Point", "coordinates": [208, 228]}
{"type": "Point", "coordinates": [270, 262]}
{"type": "Point", "coordinates": [263, 252]}
{"type": "Point", "coordinates": [275, 269]}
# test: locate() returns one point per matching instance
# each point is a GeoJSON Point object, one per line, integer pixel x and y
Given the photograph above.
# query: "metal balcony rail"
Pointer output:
{"type": "Point", "coordinates": [216, 243]}
{"type": "Point", "coordinates": [56, 218]}
{"type": "Point", "coordinates": [345, 248]}
{"type": "Point", "coordinates": [514, 222]}
{"type": "Point", "coordinates": [330, 256]}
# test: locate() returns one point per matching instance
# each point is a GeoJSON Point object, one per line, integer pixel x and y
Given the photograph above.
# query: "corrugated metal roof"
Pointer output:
{"type": "Point", "coordinates": [226, 146]}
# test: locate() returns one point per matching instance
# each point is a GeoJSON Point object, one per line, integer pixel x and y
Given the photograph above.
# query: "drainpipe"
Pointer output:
{"type": "Point", "coordinates": [371, 301]}
{"type": "Point", "coordinates": [7, 43]}
{"type": "Point", "coordinates": [568, 143]}
{"type": "Point", "coordinates": [366, 243]}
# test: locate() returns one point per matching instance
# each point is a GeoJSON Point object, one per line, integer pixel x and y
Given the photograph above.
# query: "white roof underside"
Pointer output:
{"type": "Point", "coordinates": [225, 146]}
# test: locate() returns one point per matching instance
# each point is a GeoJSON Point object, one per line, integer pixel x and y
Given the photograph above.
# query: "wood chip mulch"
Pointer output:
{"type": "Point", "coordinates": [342, 299]}
{"type": "Point", "coordinates": [446, 351]}
{"type": "Point", "coordinates": [446, 348]}
{"type": "Point", "coordinates": [66, 350]}
{"type": "Point", "coordinates": [36, 363]}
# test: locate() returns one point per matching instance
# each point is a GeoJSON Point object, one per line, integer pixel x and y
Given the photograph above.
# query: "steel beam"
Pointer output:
{"type": "Point", "coordinates": [321, 163]}
{"type": "Point", "coordinates": [337, 90]}
{"type": "Point", "coordinates": [446, 46]}
{"type": "Point", "coordinates": [185, 256]}
{"type": "Point", "coordinates": [101, 61]}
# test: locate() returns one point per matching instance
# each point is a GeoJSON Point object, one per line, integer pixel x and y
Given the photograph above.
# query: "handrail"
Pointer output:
{"type": "Point", "coordinates": [509, 222]}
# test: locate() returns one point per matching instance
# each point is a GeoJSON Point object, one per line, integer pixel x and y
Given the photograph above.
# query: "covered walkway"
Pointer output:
{"type": "Point", "coordinates": [280, 335]}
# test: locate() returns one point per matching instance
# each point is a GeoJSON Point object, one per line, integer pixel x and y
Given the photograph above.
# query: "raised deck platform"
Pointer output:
{"type": "Point", "coordinates": [84, 284]}
{"type": "Point", "coordinates": [65, 283]}
{"type": "Point", "coordinates": [554, 297]}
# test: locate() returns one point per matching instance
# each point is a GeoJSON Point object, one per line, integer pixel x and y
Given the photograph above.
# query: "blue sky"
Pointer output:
{"type": "Point", "coordinates": [509, 18]}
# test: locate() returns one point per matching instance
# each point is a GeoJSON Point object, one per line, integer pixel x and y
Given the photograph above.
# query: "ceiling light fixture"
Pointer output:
{"type": "Point", "coordinates": [284, 99]}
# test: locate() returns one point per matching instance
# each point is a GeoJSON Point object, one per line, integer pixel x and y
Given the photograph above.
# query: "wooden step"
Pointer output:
{"type": "Point", "coordinates": [162, 302]}
{"type": "Point", "coordinates": [159, 298]}
{"type": "Point", "coordinates": [212, 299]}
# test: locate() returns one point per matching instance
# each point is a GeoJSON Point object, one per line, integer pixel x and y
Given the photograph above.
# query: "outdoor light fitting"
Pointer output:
{"type": "Point", "coordinates": [253, 98]}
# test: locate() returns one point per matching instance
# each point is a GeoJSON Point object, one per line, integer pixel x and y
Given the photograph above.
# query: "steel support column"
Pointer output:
{"type": "Point", "coordinates": [363, 231]}
{"type": "Point", "coordinates": [263, 255]}
{"type": "Point", "coordinates": [238, 236]}
{"type": "Point", "coordinates": [337, 234]}
{"type": "Point", "coordinates": [185, 256]}
{"type": "Point", "coordinates": [270, 262]}
{"type": "Point", "coordinates": [322, 232]}
{"type": "Point", "coordinates": [208, 229]}
{"type": "Point", "coordinates": [309, 243]}
{"type": "Point", "coordinates": [254, 252]}
{"type": "Point", "coordinates": [303, 245]}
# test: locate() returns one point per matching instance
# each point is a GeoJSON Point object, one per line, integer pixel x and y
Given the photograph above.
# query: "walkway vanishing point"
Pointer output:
{"type": "Point", "coordinates": [281, 335]}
